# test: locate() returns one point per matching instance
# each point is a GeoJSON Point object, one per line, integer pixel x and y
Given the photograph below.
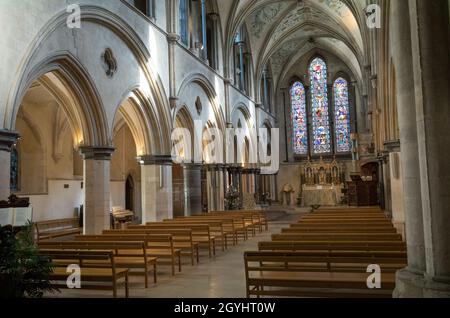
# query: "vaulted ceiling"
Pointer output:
{"type": "Point", "coordinates": [282, 32]}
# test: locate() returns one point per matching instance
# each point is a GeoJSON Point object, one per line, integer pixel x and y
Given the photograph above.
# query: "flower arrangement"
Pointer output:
{"type": "Point", "coordinates": [232, 199]}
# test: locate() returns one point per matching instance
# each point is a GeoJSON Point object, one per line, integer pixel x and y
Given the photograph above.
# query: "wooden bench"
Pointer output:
{"type": "Point", "coordinates": [343, 261]}
{"type": "Point", "coordinates": [57, 228]}
{"type": "Point", "coordinates": [240, 227]}
{"type": "Point", "coordinates": [201, 233]}
{"type": "Point", "coordinates": [340, 222]}
{"type": "Point", "coordinates": [398, 247]}
{"type": "Point", "coordinates": [337, 236]}
{"type": "Point", "coordinates": [157, 245]}
{"type": "Point", "coordinates": [222, 228]}
{"type": "Point", "coordinates": [285, 278]}
{"type": "Point", "coordinates": [91, 274]}
{"type": "Point", "coordinates": [182, 239]}
{"type": "Point", "coordinates": [138, 260]}
{"type": "Point", "coordinates": [216, 228]}
{"type": "Point", "coordinates": [313, 229]}
{"type": "Point", "coordinates": [259, 216]}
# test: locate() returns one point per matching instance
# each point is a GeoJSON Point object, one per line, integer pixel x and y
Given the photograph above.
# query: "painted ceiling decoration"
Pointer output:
{"type": "Point", "coordinates": [282, 32]}
{"type": "Point", "coordinates": [264, 16]}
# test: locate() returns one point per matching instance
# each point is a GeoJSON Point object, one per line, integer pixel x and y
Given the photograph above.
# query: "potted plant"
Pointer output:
{"type": "Point", "coordinates": [23, 272]}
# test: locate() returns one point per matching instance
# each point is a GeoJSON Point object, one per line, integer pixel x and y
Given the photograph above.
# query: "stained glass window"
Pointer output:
{"type": "Point", "coordinates": [342, 115]}
{"type": "Point", "coordinates": [299, 117]}
{"type": "Point", "coordinates": [319, 107]}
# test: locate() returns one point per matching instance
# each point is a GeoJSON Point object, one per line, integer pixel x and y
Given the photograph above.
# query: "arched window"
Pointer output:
{"type": "Point", "coordinates": [342, 115]}
{"type": "Point", "coordinates": [319, 107]}
{"type": "Point", "coordinates": [14, 172]}
{"type": "Point", "coordinates": [299, 117]}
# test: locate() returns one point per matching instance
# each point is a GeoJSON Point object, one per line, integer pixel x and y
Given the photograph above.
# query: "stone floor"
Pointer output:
{"type": "Point", "coordinates": [220, 277]}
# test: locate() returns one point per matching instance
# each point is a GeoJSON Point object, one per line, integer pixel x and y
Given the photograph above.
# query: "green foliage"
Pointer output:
{"type": "Point", "coordinates": [232, 199]}
{"type": "Point", "coordinates": [23, 272]}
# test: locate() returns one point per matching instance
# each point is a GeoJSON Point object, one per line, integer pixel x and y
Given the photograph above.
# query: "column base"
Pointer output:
{"type": "Point", "coordinates": [414, 285]}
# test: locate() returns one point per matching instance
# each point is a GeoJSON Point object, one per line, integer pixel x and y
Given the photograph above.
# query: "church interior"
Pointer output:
{"type": "Point", "coordinates": [133, 133]}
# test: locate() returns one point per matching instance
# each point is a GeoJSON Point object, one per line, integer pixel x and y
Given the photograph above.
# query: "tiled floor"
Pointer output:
{"type": "Point", "coordinates": [220, 277]}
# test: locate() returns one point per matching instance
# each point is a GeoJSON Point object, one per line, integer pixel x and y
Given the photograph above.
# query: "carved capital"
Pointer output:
{"type": "Point", "coordinates": [173, 38]}
{"type": "Point", "coordinates": [158, 160]}
{"type": "Point", "coordinates": [97, 153]}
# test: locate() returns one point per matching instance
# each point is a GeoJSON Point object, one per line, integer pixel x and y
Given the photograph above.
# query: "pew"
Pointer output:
{"type": "Point", "coordinates": [51, 229]}
{"type": "Point", "coordinates": [398, 247]}
{"type": "Point", "coordinates": [339, 230]}
{"type": "Point", "coordinates": [182, 239]}
{"type": "Point", "coordinates": [216, 228]}
{"type": "Point", "coordinates": [160, 246]}
{"type": "Point", "coordinates": [200, 233]}
{"type": "Point", "coordinates": [91, 274]}
{"type": "Point", "coordinates": [137, 260]}
{"type": "Point", "coordinates": [285, 276]}
{"type": "Point", "coordinates": [337, 236]}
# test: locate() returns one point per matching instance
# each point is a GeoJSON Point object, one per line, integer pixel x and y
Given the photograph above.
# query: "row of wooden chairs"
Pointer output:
{"type": "Point", "coordinates": [327, 254]}
{"type": "Point", "coordinates": [140, 249]}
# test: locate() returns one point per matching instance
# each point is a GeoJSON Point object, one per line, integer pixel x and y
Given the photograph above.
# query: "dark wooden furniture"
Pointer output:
{"type": "Point", "coordinates": [362, 193]}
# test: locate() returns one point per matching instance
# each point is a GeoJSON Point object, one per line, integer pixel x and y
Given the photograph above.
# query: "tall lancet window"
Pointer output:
{"type": "Point", "coordinates": [299, 117]}
{"type": "Point", "coordinates": [321, 138]}
{"type": "Point", "coordinates": [342, 116]}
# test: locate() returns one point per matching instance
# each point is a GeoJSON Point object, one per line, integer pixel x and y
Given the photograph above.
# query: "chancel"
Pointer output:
{"type": "Point", "coordinates": [226, 148]}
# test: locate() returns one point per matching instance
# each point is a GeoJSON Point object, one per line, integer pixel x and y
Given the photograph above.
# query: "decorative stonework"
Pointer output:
{"type": "Point", "coordinates": [198, 106]}
{"type": "Point", "coordinates": [264, 16]}
{"type": "Point", "coordinates": [109, 63]}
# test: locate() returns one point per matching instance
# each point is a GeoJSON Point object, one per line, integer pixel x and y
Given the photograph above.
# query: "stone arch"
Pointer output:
{"type": "Point", "coordinates": [66, 80]}
{"type": "Point", "coordinates": [206, 85]}
{"type": "Point", "coordinates": [250, 130]}
{"type": "Point", "coordinates": [142, 119]}
{"type": "Point", "coordinates": [183, 119]}
{"type": "Point", "coordinates": [97, 136]}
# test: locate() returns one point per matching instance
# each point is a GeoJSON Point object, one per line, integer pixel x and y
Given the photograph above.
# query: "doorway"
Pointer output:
{"type": "Point", "coordinates": [129, 193]}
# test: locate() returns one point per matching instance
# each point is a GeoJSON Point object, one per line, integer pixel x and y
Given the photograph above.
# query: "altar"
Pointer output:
{"type": "Point", "coordinates": [322, 183]}
{"type": "Point", "coordinates": [321, 195]}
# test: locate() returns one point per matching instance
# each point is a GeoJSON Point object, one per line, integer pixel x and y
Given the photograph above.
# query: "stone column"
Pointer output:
{"type": "Point", "coordinates": [172, 39]}
{"type": "Point", "coordinates": [222, 187]}
{"type": "Point", "coordinates": [7, 140]}
{"type": "Point", "coordinates": [156, 183]}
{"type": "Point", "coordinates": [431, 54]}
{"type": "Point", "coordinates": [193, 189]}
{"type": "Point", "coordinates": [402, 56]}
{"type": "Point", "coordinates": [97, 197]}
